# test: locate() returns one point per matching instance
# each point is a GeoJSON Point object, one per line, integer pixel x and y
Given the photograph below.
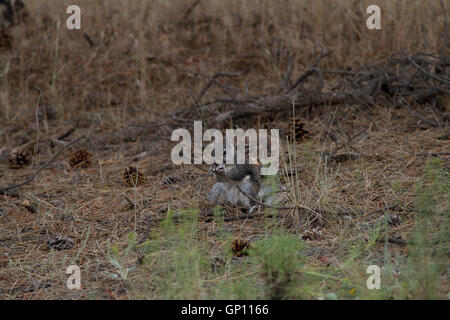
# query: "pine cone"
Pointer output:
{"type": "Point", "coordinates": [297, 130]}
{"type": "Point", "coordinates": [133, 177]}
{"type": "Point", "coordinates": [168, 180]}
{"type": "Point", "coordinates": [5, 39]}
{"type": "Point", "coordinates": [312, 234]}
{"type": "Point", "coordinates": [394, 220]}
{"type": "Point", "coordinates": [31, 208]}
{"type": "Point", "coordinates": [240, 246]}
{"type": "Point", "coordinates": [60, 243]}
{"type": "Point", "coordinates": [19, 158]}
{"type": "Point", "coordinates": [80, 158]}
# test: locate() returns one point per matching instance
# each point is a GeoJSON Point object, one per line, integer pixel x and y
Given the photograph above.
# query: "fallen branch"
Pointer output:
{"type": "Point", "coordinates": [399, 241]}
{"type": "Point", "coordinates": [430, 122]}
{"type": "Point", "coordinates": [190, 9]}
{"type": "Point", "coordinates": [435, 77]}
{"type": "Point", "coordinates": [299, 206]}
{"type": "Point", "coordinates": [16, 186]}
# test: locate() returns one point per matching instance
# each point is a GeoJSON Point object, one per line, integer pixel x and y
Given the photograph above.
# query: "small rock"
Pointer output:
{"type": "Point", "coordinates": [162, 210]}
{"type": "Point", "coordinates": [29, 206]}
{"type": "Point", "coordinates": [140, 156]}
{"type": "Point", "coordinates": [177, 216]}
{"type": "Point", "coordinates": [60, 243]}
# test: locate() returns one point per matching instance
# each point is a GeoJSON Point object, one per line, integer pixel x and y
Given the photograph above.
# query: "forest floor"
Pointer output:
{"type": "Point", "coordinates": [383, 201]}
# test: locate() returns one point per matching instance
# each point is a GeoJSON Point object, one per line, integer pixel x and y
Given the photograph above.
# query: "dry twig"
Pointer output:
{"type": "Point", "coordinates": [16, 186]}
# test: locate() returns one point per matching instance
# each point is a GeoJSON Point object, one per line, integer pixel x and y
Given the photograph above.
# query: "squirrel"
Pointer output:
{"type": "Point", "coordinates": [231, 178]}
{"type": "Point", "coordinates": [245, 176]}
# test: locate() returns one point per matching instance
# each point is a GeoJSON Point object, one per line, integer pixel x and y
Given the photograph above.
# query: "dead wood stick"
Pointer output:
{"type": "Point", "coordinates": [149, 125]}
{"type": "Point", "coordinates": [247, 216]}
{"type": "Point", "coordinates": [195, 103]}
{"type": "Point", "coordinates": [202, 92]}
{"type": "Point", "coordinates": [146, 234]}
{"type": "Point", "coordinates": [212, 80]}
{"type": "Point", "coordinates": [344, 72]}
{"type": "Point", "coordinates": [445, 41]}
{"type": "Point", "coordinates": [190, 9]}
{"type": "Point", "coordinates": [287, 82]}
{"type": "Point", "coordinates": [88, 39]}
{"type": "Point", "coordinates": [308, 72]}
{"type": "Point", "coordinates": [435, 77]}
{"type": "Point", "coordinates": [430, 122]}
{"type": "Point", "coordinates": [394, 240]}
{"type": "Point", "coordinates": [3, 190]}
{"type": "Point", "coordinates": [299, 206]}
{"type": "Point", "coordinates": [67, 134]}
{"type": "Point", "coordinates": [281, 102]}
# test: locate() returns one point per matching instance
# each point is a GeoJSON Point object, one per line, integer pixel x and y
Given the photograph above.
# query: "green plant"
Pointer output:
{"type": "Point", "coordinates": [427, 255]}
{"type": "Point", "coordinates": [118, 259]}
{"type": "Point", "coordinates": [279, 261]}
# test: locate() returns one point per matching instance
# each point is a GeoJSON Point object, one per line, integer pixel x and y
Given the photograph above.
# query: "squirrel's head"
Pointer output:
{"type": "Point", "coordinates": [220, 172]}
{"type": "Point", "coordinates": [232, 174]}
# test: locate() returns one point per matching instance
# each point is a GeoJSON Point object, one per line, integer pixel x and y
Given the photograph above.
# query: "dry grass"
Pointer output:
{"type": "Point", "coordinates": [138, 71]}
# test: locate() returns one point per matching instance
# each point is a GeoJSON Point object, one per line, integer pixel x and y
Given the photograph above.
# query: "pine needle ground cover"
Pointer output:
{"type": "Point", "coordinates": [367, 184]}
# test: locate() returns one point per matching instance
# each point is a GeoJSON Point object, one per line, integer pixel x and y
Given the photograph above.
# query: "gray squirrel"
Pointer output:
{"type": "Point", "coordinates": [247, 177]}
